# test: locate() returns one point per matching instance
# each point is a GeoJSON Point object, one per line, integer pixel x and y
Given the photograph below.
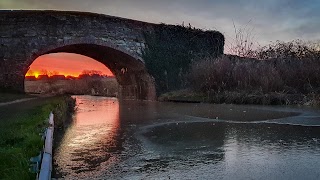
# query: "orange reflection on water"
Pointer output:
{"type": "Point", "coordinates": [96, 112]}
{"type": "Point", "coordinates": [95, 121]}
{"type": "Point", "coordinates": [92, 139]}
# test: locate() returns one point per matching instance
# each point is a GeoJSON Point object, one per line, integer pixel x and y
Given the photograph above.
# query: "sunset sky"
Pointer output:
{"type": "Point", "coordinates": [267, 21]}
{"type": "Point", "coordinates": [66, 64]}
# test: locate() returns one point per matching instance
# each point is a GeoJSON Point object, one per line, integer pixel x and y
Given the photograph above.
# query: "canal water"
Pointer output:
{"type": "Point", "coordinates": [109, 139]}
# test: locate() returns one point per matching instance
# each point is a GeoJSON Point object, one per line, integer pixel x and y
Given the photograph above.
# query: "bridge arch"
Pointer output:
{"type": "Point", "coordinates": [128, 68]}
{"type": "Point", "coordinates": [116, 42]}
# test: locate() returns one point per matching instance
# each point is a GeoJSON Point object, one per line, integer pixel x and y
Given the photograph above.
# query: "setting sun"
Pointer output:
{"type": "Point", "coordinates": [66, 64]}
{"type": "Point", "coordinates": [36, 74]}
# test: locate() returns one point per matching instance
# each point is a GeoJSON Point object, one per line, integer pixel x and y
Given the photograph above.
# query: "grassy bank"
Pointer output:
{"type": "Point", "coordinates": [242, 97]}
{"type": "Point", "coordinates": [6, 97]}
{"type": "Point", "coordinates": [20, 125]}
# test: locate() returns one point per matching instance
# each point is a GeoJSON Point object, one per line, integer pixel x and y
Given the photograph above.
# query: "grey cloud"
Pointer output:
{"type": "Point", "coordinates": [271, 20]}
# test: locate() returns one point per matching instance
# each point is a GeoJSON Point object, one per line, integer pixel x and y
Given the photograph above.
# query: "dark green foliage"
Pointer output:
{"type": "Point", "coordinates": [63, 110]}
{"type": "Point", "coordinates": [171, 49]}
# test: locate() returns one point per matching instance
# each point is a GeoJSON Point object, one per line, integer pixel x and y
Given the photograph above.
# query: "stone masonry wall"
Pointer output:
{"type": "Point", "coordinates": [116, 42]}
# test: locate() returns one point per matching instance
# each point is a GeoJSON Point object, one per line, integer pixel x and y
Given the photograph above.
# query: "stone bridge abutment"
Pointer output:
{"type": "Point", "coordinates": [116, 42]}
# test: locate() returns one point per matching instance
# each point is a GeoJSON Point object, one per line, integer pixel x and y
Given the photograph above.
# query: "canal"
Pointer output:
{"type": "Point", "coordinates": [112, 139]}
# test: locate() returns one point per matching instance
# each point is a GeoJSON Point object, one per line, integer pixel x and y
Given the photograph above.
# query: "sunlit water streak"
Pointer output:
{"type": "Point", "coordinates": [91, 140]}
{"type": "Point", "coordinates": [150, 140]}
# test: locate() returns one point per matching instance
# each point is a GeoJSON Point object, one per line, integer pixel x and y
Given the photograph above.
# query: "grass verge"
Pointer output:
{"type": "Point", "coordinates": [20, 138]}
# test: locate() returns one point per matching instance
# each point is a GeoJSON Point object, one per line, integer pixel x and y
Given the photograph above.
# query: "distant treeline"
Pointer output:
{"type": "Point", "coordinates": [58, 76]}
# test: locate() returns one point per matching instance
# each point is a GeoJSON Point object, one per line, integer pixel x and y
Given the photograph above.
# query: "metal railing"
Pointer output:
{"type": "Point", "coordinates": [42, 164]}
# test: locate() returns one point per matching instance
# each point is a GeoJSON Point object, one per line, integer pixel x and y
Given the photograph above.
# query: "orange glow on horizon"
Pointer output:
{"type": "Point", "coordinates": [65, 74]}
{"type": "Point", "coordinates": [66, 64]}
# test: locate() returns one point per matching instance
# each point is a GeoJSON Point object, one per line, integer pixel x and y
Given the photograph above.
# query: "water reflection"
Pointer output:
{"type": "Point", "coordinates": [150, 140]}
{"type": "Point", "coordinates": [233, 151]}
{"type": "Point", "coordinates": [90, 142]}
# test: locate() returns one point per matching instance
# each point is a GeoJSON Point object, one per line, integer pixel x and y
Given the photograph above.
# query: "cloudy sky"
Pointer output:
{"type": "Point", "coordinates": [266, 20]}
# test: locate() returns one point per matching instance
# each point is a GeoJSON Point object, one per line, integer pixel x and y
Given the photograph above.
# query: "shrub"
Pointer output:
{"type": "Point", "coordinates": [291, 67]}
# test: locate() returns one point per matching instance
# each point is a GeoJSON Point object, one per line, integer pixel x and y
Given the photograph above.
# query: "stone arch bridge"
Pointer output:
{"type": "Point", "coordinates": [116, 42]}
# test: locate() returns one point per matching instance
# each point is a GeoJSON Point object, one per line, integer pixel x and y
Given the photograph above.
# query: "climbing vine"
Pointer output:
{"type": "Point", "coordinates": [171, 49]}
